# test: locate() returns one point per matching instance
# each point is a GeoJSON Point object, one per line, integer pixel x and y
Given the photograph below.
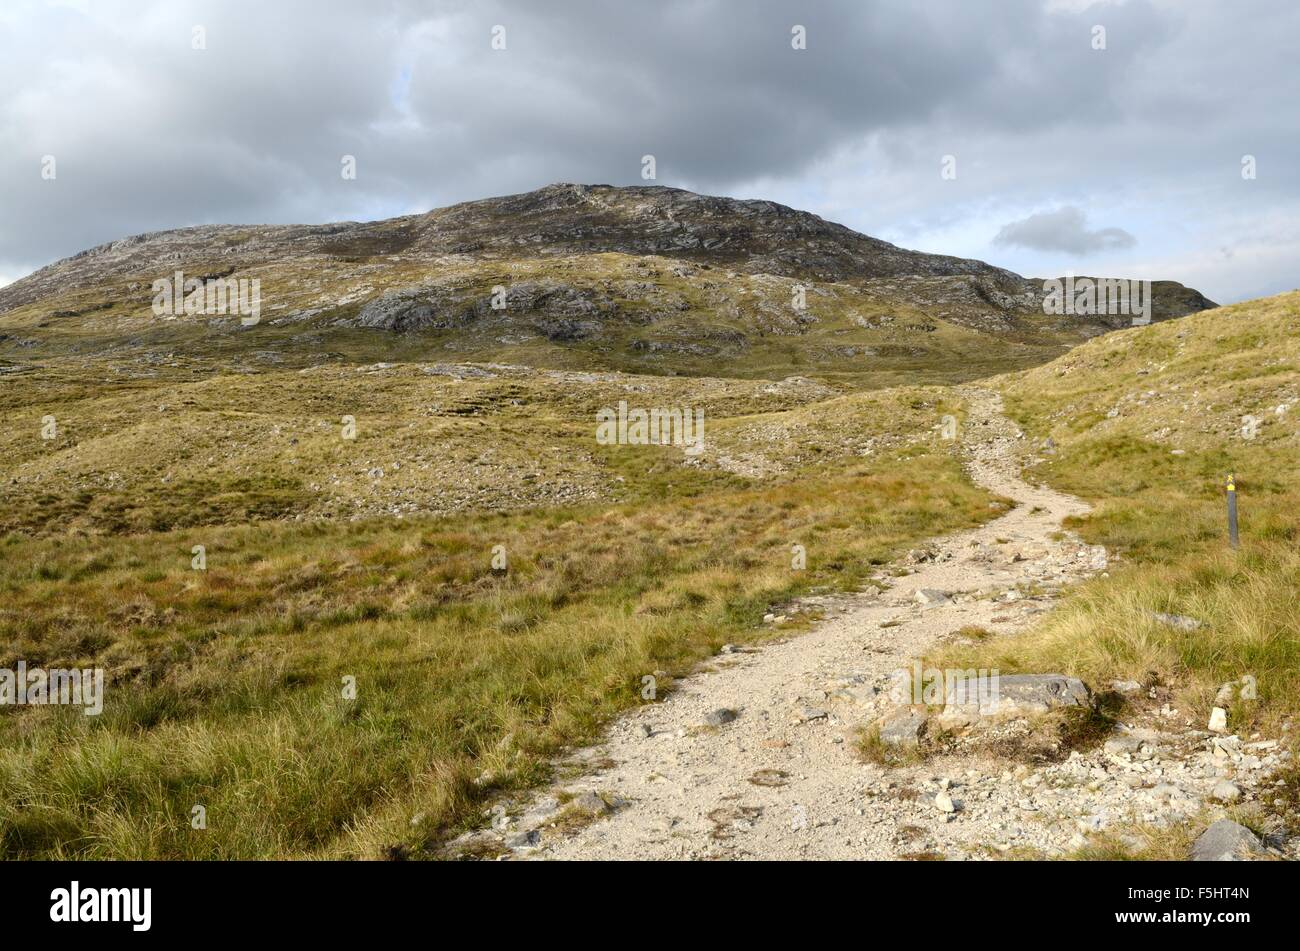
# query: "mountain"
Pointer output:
{"type": "Point", "coordinates": [640, 279]}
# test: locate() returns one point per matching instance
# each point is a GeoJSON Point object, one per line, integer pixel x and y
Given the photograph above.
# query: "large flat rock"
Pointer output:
{"type": "Point", "coordinates": [999, 697]}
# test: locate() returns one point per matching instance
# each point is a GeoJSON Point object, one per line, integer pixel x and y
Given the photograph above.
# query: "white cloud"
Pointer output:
{"type": "Point", "coordinates": [1062, 229]}
{"type": "Point", "coordinates": [1145, 136]}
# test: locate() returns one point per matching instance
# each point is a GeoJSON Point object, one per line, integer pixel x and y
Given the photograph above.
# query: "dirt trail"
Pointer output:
{"type": "Point", "coordinates": [783, 780]}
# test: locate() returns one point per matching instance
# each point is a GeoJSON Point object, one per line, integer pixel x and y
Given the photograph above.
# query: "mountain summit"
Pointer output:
{"type": "Point", "coordinates": [641, 277]}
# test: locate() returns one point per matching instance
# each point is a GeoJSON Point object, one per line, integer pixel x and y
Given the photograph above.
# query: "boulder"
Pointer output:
{"type": "Point", "coordinates": [997, 698]}
{"type": "Point", "coordinates": [1226, 841]}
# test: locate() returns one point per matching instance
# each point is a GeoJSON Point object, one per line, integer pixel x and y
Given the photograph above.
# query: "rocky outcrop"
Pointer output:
{"type": "Point", "coordinates": [697, 231]}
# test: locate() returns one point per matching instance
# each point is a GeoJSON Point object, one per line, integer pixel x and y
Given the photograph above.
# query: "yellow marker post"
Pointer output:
{"type": "Point", "coordinates": [1232, 511]}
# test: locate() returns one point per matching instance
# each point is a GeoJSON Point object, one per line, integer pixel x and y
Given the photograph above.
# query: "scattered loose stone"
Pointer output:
{"type": "Point", "coordinates": [1125, 743]}
{"type": "Point", "coordinates": [806, 714]}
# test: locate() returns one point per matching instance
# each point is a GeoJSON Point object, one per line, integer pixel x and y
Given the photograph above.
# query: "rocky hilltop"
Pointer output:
{"type": "Point", "coordinates": [640, 278]}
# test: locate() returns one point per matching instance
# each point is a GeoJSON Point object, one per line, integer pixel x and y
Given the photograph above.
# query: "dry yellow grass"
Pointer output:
{"type": "Point", "coordinates": [1117, 409]}
{"type": "Point", "coordinates": [225, 685]}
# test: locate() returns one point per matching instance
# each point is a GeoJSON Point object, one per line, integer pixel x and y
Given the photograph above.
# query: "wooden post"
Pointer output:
{"type": "Point", "coordinates": [1232, 511]}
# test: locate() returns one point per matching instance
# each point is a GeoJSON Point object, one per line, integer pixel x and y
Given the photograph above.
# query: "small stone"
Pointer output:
{"type": "Point", "coordinates": [1218, 720]}
{"type": "Point", "coordinates": [592, 803]}
{"type": "Point", "coordinates": [770, 777]}
{"type": "Point", "coordinates": [943, 802]}
{"type": "Point", "coordinates": [932, 596]}
{"type": "Point", "coordinates": [903, 728]}
{"type": "Point", "coordinates": [806, 714]}
{"type": "Point", "coordinates": [1119, 745]}
{"type": "Point", "coordinates": [1180, 621]}
{"type": "Point", "coordinates": [524, 840]}
{"type": "Point", "coordinates": [1226, 792]}
{"type": "Point", "coordinates": [719, 717]}
{"type": "Point", "coordinates": [769, 618]}
{"type": "Point", "coordinates": [1125, 686]}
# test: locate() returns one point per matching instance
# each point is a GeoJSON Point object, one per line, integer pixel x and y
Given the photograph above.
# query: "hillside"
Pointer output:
{"type": "Point", "coordinates": [1148, 424]}
{"type": "Point", "coordinates": [351, 466]}
{"type": "Point", "coordinates": [638, 279]}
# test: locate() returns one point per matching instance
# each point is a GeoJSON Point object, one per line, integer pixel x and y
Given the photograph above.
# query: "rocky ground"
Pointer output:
{"type": "Point", "coordinates": [759, 756]}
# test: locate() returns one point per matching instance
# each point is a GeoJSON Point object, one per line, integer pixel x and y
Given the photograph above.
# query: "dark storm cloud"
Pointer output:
{"type": "Point", "coordinates": [1065, 229]}
{"type": "Point", "coordinates": [149, 133]}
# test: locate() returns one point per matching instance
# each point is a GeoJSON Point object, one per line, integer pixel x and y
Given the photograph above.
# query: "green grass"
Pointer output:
{"type": "Point", "coordinates": [1179, 385]}
{"type": "Point", "coordinates": [224, 686]}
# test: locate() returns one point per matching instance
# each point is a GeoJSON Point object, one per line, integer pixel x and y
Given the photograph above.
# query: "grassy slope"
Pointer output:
{"type": "Point", "coordinates": [225, 685]}
{"type": "Point", "coordinates": [1117, 409]}
{"type": "Point", "coordinates": [662, 320]}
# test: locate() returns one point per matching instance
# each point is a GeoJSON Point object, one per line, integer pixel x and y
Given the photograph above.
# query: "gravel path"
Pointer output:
{"type": "Point", "coordinates": [782, 780]}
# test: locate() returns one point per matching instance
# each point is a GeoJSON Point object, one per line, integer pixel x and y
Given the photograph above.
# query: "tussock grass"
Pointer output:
{"type": "Point", "coordinates": [1183, 385]}
{"type": "Point", "coordinates": [225, 686]}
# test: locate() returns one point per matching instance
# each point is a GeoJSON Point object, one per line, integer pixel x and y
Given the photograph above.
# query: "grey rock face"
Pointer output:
{"type": "Point", "coordinates": [1226, 841]}
{"type": "Point", "coordinates": [700, 231]}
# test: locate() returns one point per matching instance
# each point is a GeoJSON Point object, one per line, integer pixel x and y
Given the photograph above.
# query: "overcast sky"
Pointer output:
{"type": "Point", "coordinates": [1125, 161]}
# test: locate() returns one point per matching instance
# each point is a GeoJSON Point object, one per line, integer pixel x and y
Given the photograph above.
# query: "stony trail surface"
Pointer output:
{"type": "Point", "coordinates": [783, 780]}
